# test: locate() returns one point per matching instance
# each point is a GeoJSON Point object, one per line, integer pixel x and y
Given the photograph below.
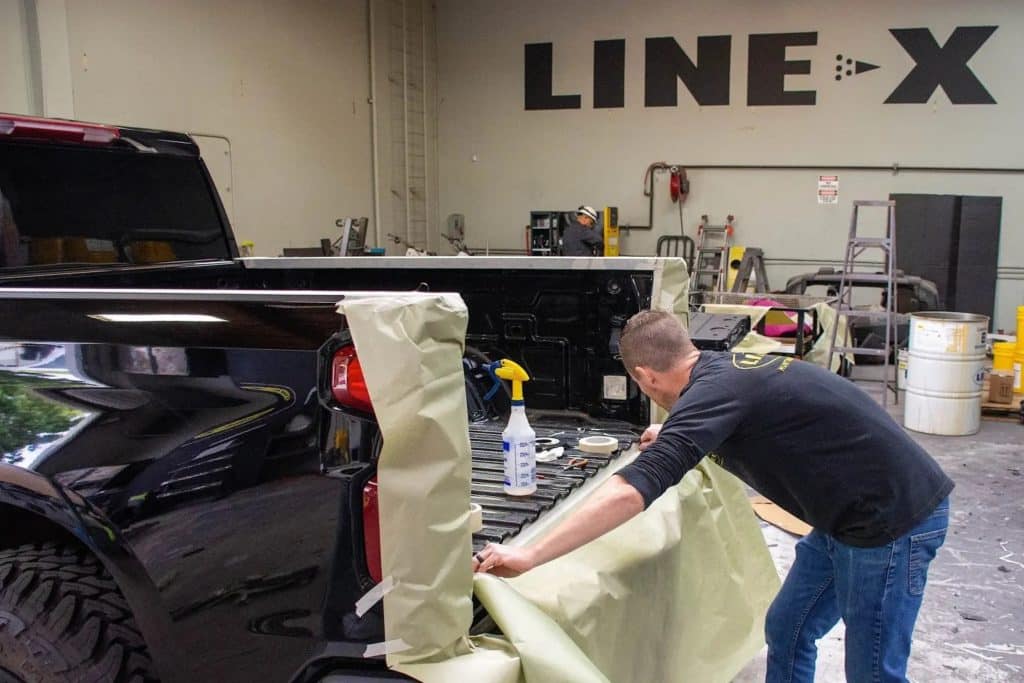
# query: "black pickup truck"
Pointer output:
{"type": "Point", "coordinates": [183, 493]}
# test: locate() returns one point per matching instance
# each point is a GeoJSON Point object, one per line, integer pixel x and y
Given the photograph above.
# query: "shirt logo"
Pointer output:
{"type": "Point", "coordinates": [756, 361]}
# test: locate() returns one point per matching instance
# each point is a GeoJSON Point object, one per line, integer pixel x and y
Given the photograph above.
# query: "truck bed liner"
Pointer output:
{"type": "Point", "coordinates": [505, 516]}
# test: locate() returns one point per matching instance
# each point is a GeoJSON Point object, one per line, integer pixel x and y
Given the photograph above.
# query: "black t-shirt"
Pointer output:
{"type": "Point", "coordinates": [812, 442]}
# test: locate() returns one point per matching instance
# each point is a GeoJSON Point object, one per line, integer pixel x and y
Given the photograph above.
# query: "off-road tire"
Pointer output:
{"type": "Point", "coordinates": [63, 620]}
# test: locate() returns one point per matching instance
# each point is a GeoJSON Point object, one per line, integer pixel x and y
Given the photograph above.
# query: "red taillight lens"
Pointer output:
{"type": "Point", "coordinates": [348, 386]}
{"type": "Point", "coordinates": [371, 529]}
{"type": "Point", "coordinates": [51, 129]}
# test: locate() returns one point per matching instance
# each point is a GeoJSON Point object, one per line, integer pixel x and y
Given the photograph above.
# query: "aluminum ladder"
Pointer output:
{"type": "Point", "coordinates": [855, 247]}
{"type": "Point", "coordinates": [751, 265]}
{"type": "Point", "coordinates": [711, 257]}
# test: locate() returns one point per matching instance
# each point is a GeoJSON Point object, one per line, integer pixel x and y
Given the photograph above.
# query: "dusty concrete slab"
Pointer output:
{"type": "Point", "coordinates": [971, 625]}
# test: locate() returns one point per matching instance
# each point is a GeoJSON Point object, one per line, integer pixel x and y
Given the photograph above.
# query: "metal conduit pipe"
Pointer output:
{"type": "Point", "coordinates": [895, 169]}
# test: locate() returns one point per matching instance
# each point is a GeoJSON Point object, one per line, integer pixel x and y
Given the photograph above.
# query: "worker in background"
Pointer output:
{"type": "Point", "coordinates": [581, 238]}
{"type": "Point", "coordinates": [826, 452]}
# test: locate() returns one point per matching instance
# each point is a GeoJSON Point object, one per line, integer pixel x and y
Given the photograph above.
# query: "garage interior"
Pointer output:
{"type": "Point", "coordinates": [447, 126]}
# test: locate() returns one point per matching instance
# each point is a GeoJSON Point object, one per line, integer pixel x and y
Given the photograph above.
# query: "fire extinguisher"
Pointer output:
{"type": "Point", "coordinates": [678, 184]}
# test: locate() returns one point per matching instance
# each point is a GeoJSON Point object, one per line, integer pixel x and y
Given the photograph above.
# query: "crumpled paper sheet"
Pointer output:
{"type": "Point", "coordinates": [678, 593]}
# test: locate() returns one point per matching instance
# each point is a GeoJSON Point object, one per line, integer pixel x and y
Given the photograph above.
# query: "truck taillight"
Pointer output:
{"type": "Point", "coordinates": [348, 386]}
{"type": "Point", "coordinates": [52, 129]}
{"type": "Point", "coordinates": [371, 529]}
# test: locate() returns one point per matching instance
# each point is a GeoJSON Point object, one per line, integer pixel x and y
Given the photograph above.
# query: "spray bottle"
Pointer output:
{"type": "Point", "coordinates": [518, 440]}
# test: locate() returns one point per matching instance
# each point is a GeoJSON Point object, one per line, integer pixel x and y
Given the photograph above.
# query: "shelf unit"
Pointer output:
{"type": "Point", "coordinates": [545, 231]}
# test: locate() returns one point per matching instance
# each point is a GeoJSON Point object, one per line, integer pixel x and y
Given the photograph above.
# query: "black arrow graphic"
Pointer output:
{"type": "Point", "coordinates": [864, 66]}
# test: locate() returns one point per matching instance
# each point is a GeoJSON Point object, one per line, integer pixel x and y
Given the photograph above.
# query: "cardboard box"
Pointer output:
{"type": "Point", "coordinates": [1000, 388]}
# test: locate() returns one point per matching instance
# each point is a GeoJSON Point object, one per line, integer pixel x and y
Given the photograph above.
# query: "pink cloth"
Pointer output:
{"type": "Point", "coordinates": [780, 329]}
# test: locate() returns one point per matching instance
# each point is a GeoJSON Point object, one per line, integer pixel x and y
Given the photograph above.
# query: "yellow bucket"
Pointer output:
{"type": "Point", "coordinates": [1002, 356]}
{"type": "Point", "coordinates": [1020, 328]}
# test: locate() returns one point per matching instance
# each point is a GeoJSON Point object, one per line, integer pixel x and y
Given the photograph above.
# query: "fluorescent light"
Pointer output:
{"type": "Point", "coordinates": [156, 318]}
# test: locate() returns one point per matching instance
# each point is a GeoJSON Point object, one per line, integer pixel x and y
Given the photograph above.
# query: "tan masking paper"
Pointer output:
{"type": "Point", "coordinates": [410, 347]}
{"type": "Point", "coordinates": [670, 292]}
{"type": "Point", "coordinates": [678, 593]}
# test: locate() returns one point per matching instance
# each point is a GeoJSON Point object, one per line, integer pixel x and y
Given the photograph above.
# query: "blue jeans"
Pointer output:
{"type": "Point", "coordinates": [875, 591]}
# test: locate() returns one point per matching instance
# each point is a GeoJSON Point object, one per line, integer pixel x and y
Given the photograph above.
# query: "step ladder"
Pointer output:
{"type": "Point", "coordinates": [855, 247]}
{"type": "Point", "coordinates": [752, 264]}
{"type": "Point", "coordinates": [711, 257]}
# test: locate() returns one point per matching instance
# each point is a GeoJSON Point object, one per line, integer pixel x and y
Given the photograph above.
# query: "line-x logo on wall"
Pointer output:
{"type": "Point", "coordinates": [707, 78]}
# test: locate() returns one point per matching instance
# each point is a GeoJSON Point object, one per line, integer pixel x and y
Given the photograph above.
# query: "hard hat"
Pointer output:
{"type": "Point", "coordinates": [587, 211]}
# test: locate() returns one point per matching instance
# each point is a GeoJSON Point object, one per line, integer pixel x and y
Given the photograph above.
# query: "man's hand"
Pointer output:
{"type": "Point", "coordinates": [612, 504]}
{"type": "Point", "coordinates": [649, 436]}
{"type": "Point", "coordinates": [501, 560]}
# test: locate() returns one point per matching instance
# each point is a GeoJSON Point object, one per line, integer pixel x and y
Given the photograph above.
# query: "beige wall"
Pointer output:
{"type": "Point", "coordinates": [405, 96]}
{"type": "Point", "coordinates": [286, 82]}
{"type": "Point", "coordinates": [15, 78]}
{"type": "Point", "coordinates": [499, 161]}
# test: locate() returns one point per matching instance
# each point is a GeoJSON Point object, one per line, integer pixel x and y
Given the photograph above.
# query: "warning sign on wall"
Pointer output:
{"type": "Point", "coordinates": [828, 189]}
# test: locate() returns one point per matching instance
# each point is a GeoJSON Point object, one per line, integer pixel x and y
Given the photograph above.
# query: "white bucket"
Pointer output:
{"type": "Point", "coordinates": [945, 371]}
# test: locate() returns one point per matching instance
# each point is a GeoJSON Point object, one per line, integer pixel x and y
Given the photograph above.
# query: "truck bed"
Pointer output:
{"type": "Point", "coordinates": [506, 518]}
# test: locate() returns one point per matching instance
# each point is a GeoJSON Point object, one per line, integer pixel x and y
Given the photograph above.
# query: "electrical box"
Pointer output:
{"type": "Point", "coordinates": [611, 230]}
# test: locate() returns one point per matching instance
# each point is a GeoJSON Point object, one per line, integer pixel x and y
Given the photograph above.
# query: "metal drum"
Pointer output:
{"type": "Point", "coordinates": [945, 373]}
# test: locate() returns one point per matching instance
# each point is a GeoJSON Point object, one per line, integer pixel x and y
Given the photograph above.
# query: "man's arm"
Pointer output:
{"type": "Point", "coordinates": [701, 420]}
{"type": "Point", "coordinates": [615, 503]}
{"type": "Point", "coordinates": [592, 237]}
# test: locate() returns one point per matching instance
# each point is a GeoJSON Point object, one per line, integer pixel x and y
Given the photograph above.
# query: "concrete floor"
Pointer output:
{"type": "Point", "coordinates": [971, 625]}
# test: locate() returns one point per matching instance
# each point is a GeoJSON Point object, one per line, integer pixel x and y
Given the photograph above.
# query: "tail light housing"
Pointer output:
{"type": "Point", "coordinates": [55, 129]}
{"type": "Point", "coordinates": [371, 529]}
{"type": "Point", "coordinates": [348, 385]}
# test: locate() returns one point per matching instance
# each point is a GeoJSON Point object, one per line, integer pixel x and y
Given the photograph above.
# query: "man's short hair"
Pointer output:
{"type": "Point", "coordinates": [653, 339]}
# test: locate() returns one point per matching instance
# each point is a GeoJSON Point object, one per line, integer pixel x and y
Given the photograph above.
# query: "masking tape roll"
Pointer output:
{"type": "Point", "coordinates": [476, 517]}
{"type": "Point", "coordinates": [598, 444]}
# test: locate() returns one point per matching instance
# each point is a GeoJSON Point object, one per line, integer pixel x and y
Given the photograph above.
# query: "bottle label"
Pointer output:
{"type": "Point", "coordinates": [520, 463]}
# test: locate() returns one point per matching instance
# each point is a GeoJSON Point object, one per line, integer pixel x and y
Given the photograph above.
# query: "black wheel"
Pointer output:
{"type": "Point", "coordinates": [62, 619]}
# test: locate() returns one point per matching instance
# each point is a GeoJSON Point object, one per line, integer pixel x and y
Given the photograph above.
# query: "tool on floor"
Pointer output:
{"type": "Point", "coordinates": [711, 261]}
{"type": "Point", "coordinates": [518, 440]}
{"type": "Point", "coordinates": [855, 246]}
{"type": "Point", "coordinates": [576, 464]}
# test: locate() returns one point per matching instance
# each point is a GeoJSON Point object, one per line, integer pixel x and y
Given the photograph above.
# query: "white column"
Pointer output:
{"type": "Point", "coordinates": [54, 58]}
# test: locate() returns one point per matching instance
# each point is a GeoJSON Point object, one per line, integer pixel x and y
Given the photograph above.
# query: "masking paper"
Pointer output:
{"type": "Point", "coordinates": [410, 347]}
{"type": "Point", "coordinates": [678, 593]}
{"type": "Point", "coordinates": [671, 288]}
